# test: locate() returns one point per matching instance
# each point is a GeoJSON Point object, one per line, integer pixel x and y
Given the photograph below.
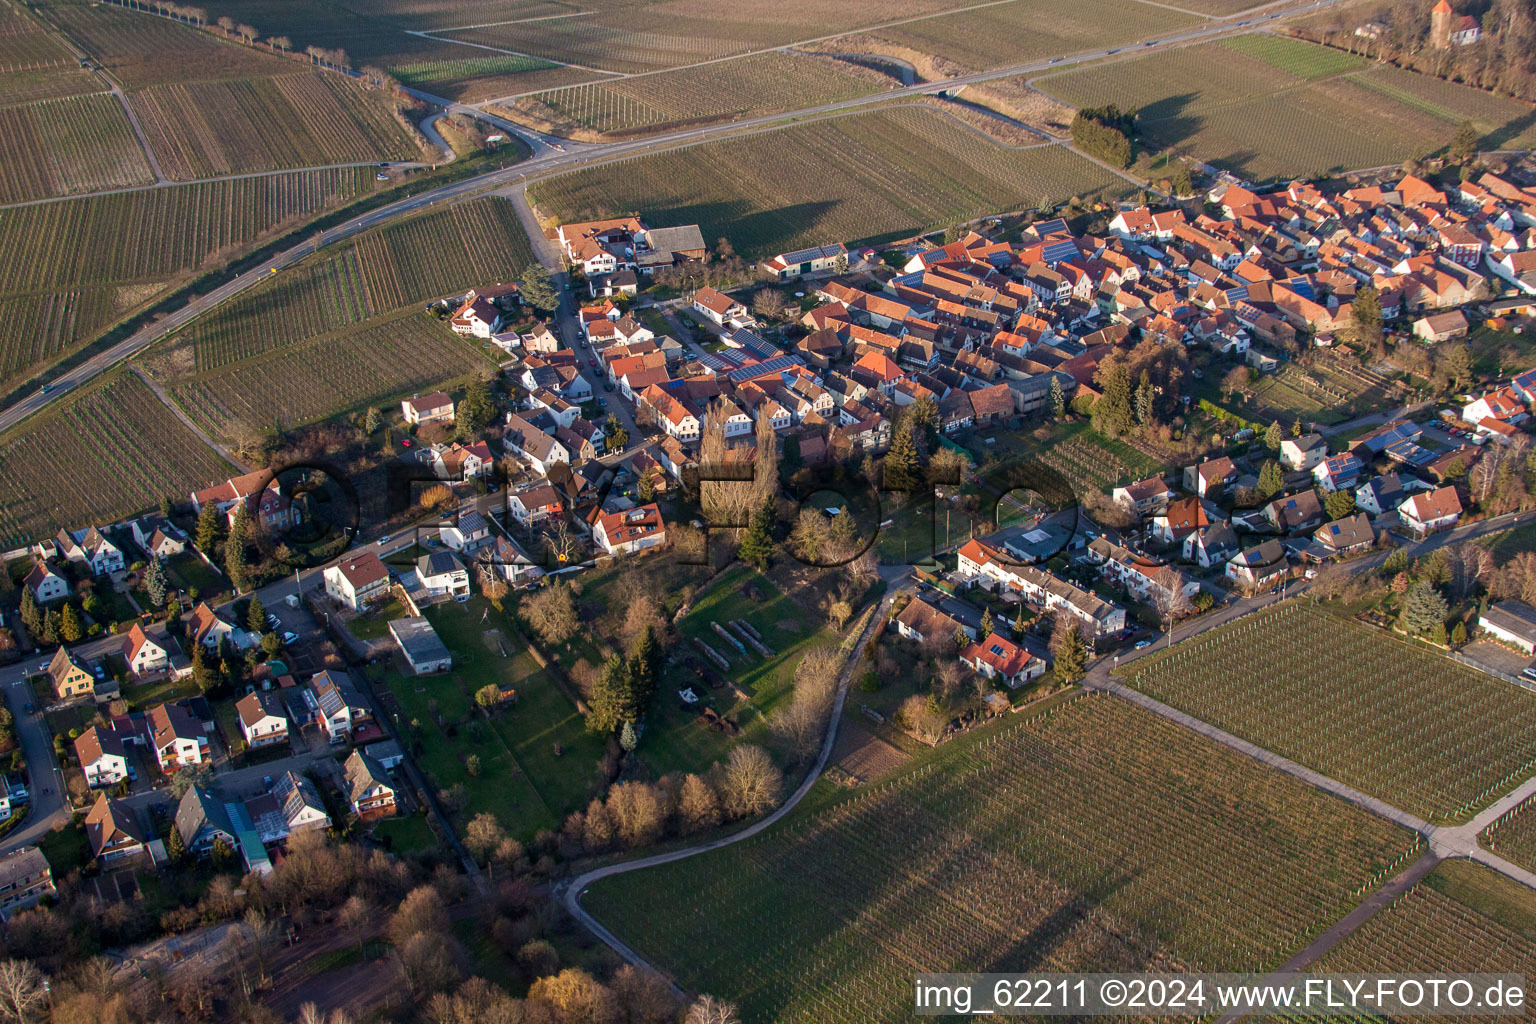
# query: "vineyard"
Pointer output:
{"type": "Point", "coordinates": [761, 84]}
{"type": "Point", "coordinates": [1090, 837]}
{"type": "Point", "coordinates": [142, 50]}
{"type": "Point", "coordinates": [1432, 928]}
{"type": "Point", "coordinates": [388, 356]}
{"type": "Point", "coordinates": [1013, 33]}
{"type": "Point", "coordinates": [476, 78]}
{"type": "Point", "coordinates": [75, 144]}
{"type": "Point", "coordinates": [399, 265]}
{"type": "Point", "coordinates": [1513, 837]}
{"type": "Point", "coordinates": [68, 269]}
{"type": "Point", "coordinates": [1275, 107]}
{"type": "Point", "coordinates": [1418, 730]}
{"type": "Point", "coordinates": [865, 177]}
{"type": "Point", "coordinates": [112, 450]}
{"type": "Point", "coordinates": [1090, 461]}
{"type": "Point", "coordinates": [203, 129]}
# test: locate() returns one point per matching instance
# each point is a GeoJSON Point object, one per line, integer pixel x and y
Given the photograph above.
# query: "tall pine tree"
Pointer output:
{"type": "Point", "coordinates": [899, 470]}
{"type": "Point", "coordinates": [1071, 656]}
{"type": "Point", "coordinates": [756, 546]}
{"type": "Point", "coordinates": [210, 528]}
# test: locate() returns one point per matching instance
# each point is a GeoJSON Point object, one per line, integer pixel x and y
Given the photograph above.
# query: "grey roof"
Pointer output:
{"type": "Point", "coordinates": [1513, 616]}
{"type": "Point", "coordinates": [471, 522]}
{"type": "Point", "coordinates": [818, 252]}
{"type": "Point", "coordinates": [418, 640]}
{"type": "Point", "coordinates": [27, 862]}
{"type": "Point", "coordinates": [436, 563]}
{"type": "Point", "coordinates": [678, 239]}
{"type": "Point", "coordinates": [296, 793]}
{"type": "Point", "coordinates": [330, 691]}
{"type": "Point", "coordinates": [363, 773]}
{"type": "Point", "coordinates": [199, 808]}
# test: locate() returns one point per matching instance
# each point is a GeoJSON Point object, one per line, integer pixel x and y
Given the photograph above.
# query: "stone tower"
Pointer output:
{"type": "Point", "coordinates": [1440, 21]}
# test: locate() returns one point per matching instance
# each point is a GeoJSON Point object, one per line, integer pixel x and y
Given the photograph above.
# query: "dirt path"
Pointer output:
{"type": "Point", "coordinates": [197, 431]}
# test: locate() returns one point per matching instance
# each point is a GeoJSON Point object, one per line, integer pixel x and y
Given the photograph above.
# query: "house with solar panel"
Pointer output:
{"type": "Point", "coordinates": [819, 259]}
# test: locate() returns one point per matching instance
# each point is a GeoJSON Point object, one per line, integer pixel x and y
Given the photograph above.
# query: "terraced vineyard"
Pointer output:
{"type": "Point", "coordinates": [203, 129]}
{"type": "Point", "coordinates": [400, 265]}
{"type": "Point", "coordinates": [387, 356]}
{"type": "Point", "coordinates": [1015, 33]}
{"type": "Point", "coordinates": [70, 268]}
{"type": "Point", "coordinates": [865, 177]}
{"type": "Point", "coordinates": [76, 144]}
{"type": "Point", "coordinates": [1093, 836]}
{"type": "Point", "coordinates": [760, 84]}
{"type": "Point", "coordinates": [1419, 731]}
{"type": "Point", "coordinates": [1462, 918]}
{"type": "Point", "coordinates": [112, 450]}
{"type": "Point", "coordinates": [1269, 107]}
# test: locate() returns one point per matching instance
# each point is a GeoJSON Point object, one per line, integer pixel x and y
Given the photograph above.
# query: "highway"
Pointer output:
{"type": "Point", "coordinates": [547, 160]}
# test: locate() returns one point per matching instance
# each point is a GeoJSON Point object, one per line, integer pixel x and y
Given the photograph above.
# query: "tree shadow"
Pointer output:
{"type": "Point", "coordinates": [1507, 132]}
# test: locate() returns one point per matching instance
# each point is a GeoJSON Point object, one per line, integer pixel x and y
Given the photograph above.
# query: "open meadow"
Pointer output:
{"type": "Point", "coordinates": [761, 84]}
{"type": "Point", "coordinates": [1461, 918]}
{"type": "Point", "coordinates": [1267, 106]}
{"type": "Point", "coordinates": [1416, 729]}
{"type": "Point", "coordinates": [864, 177]}
{"type": "Point", "coordinates": [1092, 836]}
{"type": "Point", "coordinates": [70, 268]}
{"type": "Point", "coordinates": [110, 450]}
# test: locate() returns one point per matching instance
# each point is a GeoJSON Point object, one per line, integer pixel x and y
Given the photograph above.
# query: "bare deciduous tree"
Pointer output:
{"type": "Point", "coordinates": [698, 806]}
{"type": "Point", "coordinates": [751, 782]}
{"type": "Point", "coordinates": [552, 614]}
{"type": "Point", "coordinates": [22, 995]}
{"type": "Point", "coordinates": [709, 1010]}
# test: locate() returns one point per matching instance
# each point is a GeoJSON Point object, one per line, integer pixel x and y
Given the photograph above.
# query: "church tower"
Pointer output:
{"type": "Point", "coordinates": [1440, 20]}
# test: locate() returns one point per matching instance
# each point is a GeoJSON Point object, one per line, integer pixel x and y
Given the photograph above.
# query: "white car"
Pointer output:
{"type": "Point", "coordinates": [1142, 644]}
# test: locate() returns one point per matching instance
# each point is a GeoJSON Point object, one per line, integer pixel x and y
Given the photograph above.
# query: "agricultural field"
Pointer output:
{"type": "Point", "coordinates": [1092, 836]}
{"type": "Point", "coordinates": [760, 84]}
{"type": "Point", "coordinates": [863, 178]}
{"type": "Point", "coordinates": [1029, 30]}
{"type": "Point", "coordinates": [1320, 392]}
{"type": "Point", "coordinates": [673, 33]}
{"type": "Point", "coordinates": [300, 119]}
{"type": "Point", "coordinates": [1089, 460]}
{"type": "Point", "coordinates": [330, 373]}
{"type": "Point", "coordinates": [1420, 731]}
{"type": "Point", "coordinates": [383, 270]}
{"type": "Point", "coordinates": [62, 146]}
{"type": "Point", "coordinates": [470, 79]}
{"type": "Point", "coordinates": [1271, 107]}
{"type": "Point", "coordinates": [124, 451]}
{"type": "Point", "coordinates": [1513, 837]}
{"type": "Point", "coordinates": [1462, 918]}
{"type": "Point", "coordinates": [70, 268]}
{"type": "Point", "coordinates": [35, 64]}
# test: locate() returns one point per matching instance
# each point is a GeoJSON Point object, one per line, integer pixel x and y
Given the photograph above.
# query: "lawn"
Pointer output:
{"type": "Point", "coordinates": [406, 834]}
{"type": "Point", "coordinates": [1416, 729]}
{"type": "Point", "coordinates": [66, 849]}
{"type": "Point", "coordinates": [1093, 836]}
{"type": "Point", "coordinates": [187, 571]}
{"type": "Point", "coordinates": [376, 623]}
{"type": "Point", "coordinates": [143, 696]}
{"type": "Point", "coordinates": [523, 781]}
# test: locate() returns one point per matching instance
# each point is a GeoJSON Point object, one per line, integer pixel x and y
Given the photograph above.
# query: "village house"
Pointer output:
{"type": "Point", "coordinates": [436, 407]}
{"type": "Point", "coordinates": [1294, 512]}
{"type": "Point", "coordinates": [357, 581]}
{"type": "Point", "coordinates": [534, 504]}
{"type": "Point", "coordinates": [1381, 495]}
{"type": "Point", "coordinates": [69, 675]}
{"type": "Point", "coordinates": [442, 576]}
{"type": "Point", "coordinates": [158, 538]}
{"type": "Point", "coordinates": [1259, 567]}
{"type": "Point", "coordinates": [263, 720]}
{"type": "Point", "coordinates": [103, 757]}
{"type": "Point", "coordinates": [1337, 472]}
{"type": "Point", "coordinates": [1144, 497]}
{"type": "Point", "coordinates": [369, 790]}
{"type": "Point", "coordinates": [1003, 660]}
{"type": "Point", "coordinates": [46, 585]}
{"type": "Point", "coordinates": [629, 531]}
{"type": "Point", "coordinates": [112, 831]}
{"type": "Point", "coordinates": [144, 655]}
{"type": "Point", "coordinates": [176, 736]}
{"type": "Point", "coordinates": [466, 533]}
{"type": "Point", "coordinates": [337, 704]}
{"type": "Point", "coordinates": [718, 307]}
{"type": "Point", "coordinates": [25, 879]}
{"type": "Point", "coordinates": [1430, 512]}
{"type": "Point", "coordinates": [203, 822]}
{"type": "Point", "coordinates": [90, 548]}
{"type": "Point", "coordinates": [1210, 479]}
{"type": "Point", "coordinates": [927, 624]}
{"type": "Point", "coordinates": [819, 259]}
{"type": "Point", "coordinates": [1346, 536]}
{"type": "Point", "coordinates": [1214, 545]}
{"type": "Point", "coordinates": [1304, 452]}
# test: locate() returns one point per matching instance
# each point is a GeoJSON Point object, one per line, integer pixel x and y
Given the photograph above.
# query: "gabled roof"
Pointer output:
{"type": "Point", "coordinates": [1431, 505]}
{"type": "Point", "coordinates": [364, 774]}
{"type": "Point", "coordinates": [109, 822]}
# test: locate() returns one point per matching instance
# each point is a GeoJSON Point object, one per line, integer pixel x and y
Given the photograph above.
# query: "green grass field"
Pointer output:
{"type": "Point", "coordinates": [1091, 837]}
{"type": "Point", "coordinates": [523, 780]}
{"type": "Point", "coordinates": [1422, 732]}
{"type": "Point", "coordinates": [1268, 106]}
{"type": "Point", "coordinates": [865, 177]}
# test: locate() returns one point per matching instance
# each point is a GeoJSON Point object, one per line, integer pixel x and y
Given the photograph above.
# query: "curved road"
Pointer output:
{"type": "Point", "coordinates": [552, 156]}
{"type": "Point", "coordinates": [578, 885]}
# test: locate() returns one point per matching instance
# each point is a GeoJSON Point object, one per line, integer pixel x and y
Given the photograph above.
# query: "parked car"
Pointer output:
{"type": "Point", "coordinates": [290, 637]}
{"type": "Point", "coordinates": [1141, 644]}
